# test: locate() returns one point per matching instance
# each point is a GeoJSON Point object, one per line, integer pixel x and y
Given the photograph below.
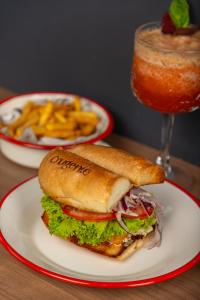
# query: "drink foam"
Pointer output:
{"type": "Point", "coordinates": [168, 50]}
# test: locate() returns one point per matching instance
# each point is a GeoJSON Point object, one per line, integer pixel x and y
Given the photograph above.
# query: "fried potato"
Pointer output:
{"type": "Point", "coordinates": [58, 133]}
{"type": "Point", "coordinates": [59, 116]}
{"type": "Point", "coordinates": [52, 120]}
{"type": "Point", "coordinates": [77, 103]}
{"type": "Point", "coordinates": [63, 107]}
{"type": "Point", "coordinates": [84, 117]}
{"type": "Point", "coordinates": [21, 120]}
{"type": "Point", "coordinates": [45, 115]}
{"type": "Point", "coordinates": [19, 132]}
{"type": "Point", "coordinates": [82, 114]}
{"type": "Point", "coordinates": [86, 121]}
{"type": "Point", "coordinates": [61, 126]}
{"type": "Point", "coordinates": [87, 129]}
{"type": "Point", "coordinates": [65, 121]}
{"type": "Point", "coordinates": [33, 119]}
{"type": "Point", "coordinates": [38, 130]}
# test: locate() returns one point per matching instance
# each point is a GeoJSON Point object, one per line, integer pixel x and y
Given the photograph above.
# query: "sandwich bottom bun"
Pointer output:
{"type": "Point", "coordinates": [114, 248]}
{"type": "Point", "coordinates": [137, 245]}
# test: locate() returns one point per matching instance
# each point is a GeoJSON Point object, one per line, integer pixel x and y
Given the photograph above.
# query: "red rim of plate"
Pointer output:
{"type": "Point", "coordinates": [102, 136]}
{"type": "Point", "coordinates": [102, 284]}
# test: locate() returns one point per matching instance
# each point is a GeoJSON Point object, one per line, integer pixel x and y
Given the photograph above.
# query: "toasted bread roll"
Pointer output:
{"type": "Point", "coordinates": [78, 182]}
{"type": "Point", "coordinates": [138, 169]}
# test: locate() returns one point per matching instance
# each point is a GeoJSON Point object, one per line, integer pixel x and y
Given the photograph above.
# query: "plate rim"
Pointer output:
{"type": "Point", "coordinates": [101, 284]}
{"type": "Point", "coordinates": [25, 144]}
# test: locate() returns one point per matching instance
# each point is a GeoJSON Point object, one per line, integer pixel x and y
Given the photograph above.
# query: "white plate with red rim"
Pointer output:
{"type": "Point", "coordinates": [30, 154]}
{"type": "Point", "coordinates": [25, 236]}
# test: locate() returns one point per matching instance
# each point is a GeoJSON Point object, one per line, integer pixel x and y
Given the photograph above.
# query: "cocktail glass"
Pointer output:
{"type": "Point", "coordinates": [166, 77]}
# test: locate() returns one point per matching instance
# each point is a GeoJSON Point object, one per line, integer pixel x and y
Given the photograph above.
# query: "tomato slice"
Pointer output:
{"type": "Point", "coordinates": [141, 212]}
{"type": "Point", "coordinates": [84, 215]}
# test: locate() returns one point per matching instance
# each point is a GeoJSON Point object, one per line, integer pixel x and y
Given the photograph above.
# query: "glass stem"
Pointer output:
{"type": "Point", "coordinates": [163, 158]}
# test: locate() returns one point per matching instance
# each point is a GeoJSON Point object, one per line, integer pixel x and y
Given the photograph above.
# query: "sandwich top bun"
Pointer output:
{"type": "Point", "coordinates": [138, 170]}
{"type": "Point", "coordinates": [73, 180]}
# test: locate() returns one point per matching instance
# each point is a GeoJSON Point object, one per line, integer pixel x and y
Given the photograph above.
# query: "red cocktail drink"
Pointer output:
{"type": "Point", "coordinates": [166, 77]}
{"type": "Point", "coordinates": [166, 70]}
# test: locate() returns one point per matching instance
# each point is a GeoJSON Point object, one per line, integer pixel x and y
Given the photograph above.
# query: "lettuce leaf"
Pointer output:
{"type": "Point", "coordinates": [88, 232]}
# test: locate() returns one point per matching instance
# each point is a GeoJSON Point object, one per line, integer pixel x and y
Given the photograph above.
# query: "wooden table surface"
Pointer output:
{"type": "Point", "coordinates": [19, 282]}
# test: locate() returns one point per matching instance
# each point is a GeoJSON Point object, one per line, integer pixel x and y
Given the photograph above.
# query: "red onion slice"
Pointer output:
{"type": "Point", "coordinates": [153, 241]}
{"type": "Point", "coordinates": [121, 222]}
{"type": "Point", "coordinates": [146, 197]}
{"type": "Point", "coordinates": [124, 203]}
{"type": "Point", "coordinates": [139, 197]}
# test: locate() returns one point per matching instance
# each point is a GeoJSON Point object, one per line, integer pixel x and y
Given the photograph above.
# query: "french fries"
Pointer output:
{"type": "Point", "coordinates": [33, 119]}
{"type": "Point", "coordinates": [21, 120]}
{"type": "Point", "coordinates": [51, 119]}
{"type": "Point", "coordinates": [88, 129]}
{"type": "Point", "coordinates": [77, 103]}
{"type": "Point", "coordinates": [38, 130]}
{"type": "Point", "coordinates": [84, 117]}
{"type": "Point", "coordinates": [61, 126]}
{"type": "Point", "coordinates": [59, 116]}
{"type": "Point", "coordinates": [46, 113]}
{"type": "Point", "coordinates": [63, 134]}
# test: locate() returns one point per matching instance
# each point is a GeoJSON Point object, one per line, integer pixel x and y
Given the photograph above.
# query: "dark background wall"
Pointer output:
{"type": "Point", "coordinates": [85, 47]}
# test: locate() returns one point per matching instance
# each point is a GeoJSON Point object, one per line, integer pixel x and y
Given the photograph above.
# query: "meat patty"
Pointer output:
{"type": "Point", "coordinates": [112, 248]}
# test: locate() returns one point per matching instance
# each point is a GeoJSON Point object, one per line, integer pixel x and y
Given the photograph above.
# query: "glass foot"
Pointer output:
{"type": "Point", "coordinates": [175, 173]}
{"type": "Point", "coordinates": [165, 163]}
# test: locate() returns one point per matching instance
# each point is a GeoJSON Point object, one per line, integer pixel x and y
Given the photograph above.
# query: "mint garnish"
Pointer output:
{"type": "Point", "coordinates": [179, 13]}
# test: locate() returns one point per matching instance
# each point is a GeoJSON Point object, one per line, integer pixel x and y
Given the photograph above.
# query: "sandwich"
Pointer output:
{"type": "Point", "coordinates": [93, 198]}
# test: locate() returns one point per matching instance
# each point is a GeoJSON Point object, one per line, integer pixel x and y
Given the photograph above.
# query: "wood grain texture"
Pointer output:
{"type": "Point", "coordinates": [17, 282]}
